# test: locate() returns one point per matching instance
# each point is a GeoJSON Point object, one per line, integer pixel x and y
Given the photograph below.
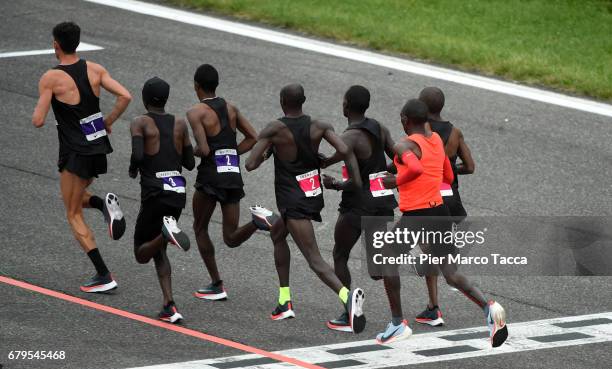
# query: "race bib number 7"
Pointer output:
{"type": "Point", "coordinates": [93, 127]}
{"type": "Point", "coordinates": [310, 183]}
{"type": "Point", "coordinates": [227, 161]}
{"type": "Point", "coordinates": [377, 187]}
{"type": "Point", "coordinates": [172, 181]}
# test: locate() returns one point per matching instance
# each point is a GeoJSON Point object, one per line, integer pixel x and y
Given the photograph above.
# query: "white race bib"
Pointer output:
{"type": "Point", "coordinates": [227, 161]}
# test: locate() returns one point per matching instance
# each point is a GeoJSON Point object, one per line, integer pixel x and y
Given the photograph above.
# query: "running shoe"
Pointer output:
{"type": "Point", "coordinates": [394, 333]}
{"type": "Point", "coordinates": [496, 321]}
{"type": "Point", "coordinates": [284, 311]}
{"type": "Point", "coordinates": [354, 308]}
{"type": "Point", "coordinates": [170, 314]}
{"type": "Point", "coordinates": [174, 235]}
{"type": "Point", "coordinates": [99, 283]}
{"type": "Point", "coordinates": [113, 216]}
{"type": "Point", "coordinates": [214, 292]}
{"type": "Point", "coordinates": [431, 317]}
{"type": "Point", "coordinates": [340, 324]}
{"type": "Point", "coordinates": [263, 218]}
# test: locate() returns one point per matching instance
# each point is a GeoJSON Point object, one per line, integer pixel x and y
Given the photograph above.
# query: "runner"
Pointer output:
{"type": "Point", "coordinates": [455, 146]}
{"type": "Point", "coordinates": [72, 89]}
{"type": "Point", "coordinates": [214, 123]}
{"type": "Point", "coordinates": [160, 148]}
{"type": "Point", "coordinates": [294, 140]}
{"type": "Point", "coordinates": [369, 141]}
{"type": "Point", "coordinates": [422, 166]}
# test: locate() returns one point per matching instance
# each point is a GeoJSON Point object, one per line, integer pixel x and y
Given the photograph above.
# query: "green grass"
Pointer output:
{"type": "Point", "coordinates": [563, 44]}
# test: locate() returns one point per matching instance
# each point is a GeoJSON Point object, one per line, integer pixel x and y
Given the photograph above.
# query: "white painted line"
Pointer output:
{"type": "Point", "coordinates": [345, 52]}
{"type": "Point", "coordinates": [82, 47]}
{"type": "Point", "coordinates": [403, 353]}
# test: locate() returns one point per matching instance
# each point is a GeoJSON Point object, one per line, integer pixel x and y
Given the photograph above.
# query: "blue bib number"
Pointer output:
{"type": "Point", "coordinates": [227, 161]}
{"type": "Point", "coordinates": [172, 181]}
{"type": "Point", "coordinates": [93, 127]}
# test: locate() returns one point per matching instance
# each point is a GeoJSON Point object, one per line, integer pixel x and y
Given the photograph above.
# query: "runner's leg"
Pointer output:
{"type": "Point", "coordinates": [234, 236]}
{"type": "Point", "coordinates": [203, 208]}
{"type": "Point", "coordinates": [164, 271]}
{"type": "Point", "coordinates": [345, 237]}
{"type": "Point", "coordinates": [303, 234]}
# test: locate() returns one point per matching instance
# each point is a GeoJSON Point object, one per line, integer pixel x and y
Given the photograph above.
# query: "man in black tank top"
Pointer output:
{"type": "Point", "coordinates": [214, 123]}
{"type": "Point", "coordinates": [455, 146]}
{"type": "Point", "coordinates": [294, 140]}
{"type": "Point", "coordinates": [72, 89]}
{"type": "Point", "coordinates": [369, 141]}
{"type": "Point", "coordinates": [160, 149]}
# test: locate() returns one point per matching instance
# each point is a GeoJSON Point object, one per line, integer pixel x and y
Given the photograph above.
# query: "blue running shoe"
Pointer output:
{"type": "Point", "coordinates": [394, 333]}
{"type": "Point", "coordinates": [496, 321]}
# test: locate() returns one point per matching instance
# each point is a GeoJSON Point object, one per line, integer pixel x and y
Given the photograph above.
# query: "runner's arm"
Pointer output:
{"type": "Point", "coordinates": [122, 95]}
{"type": "Point", "coordinates": [250, 135]}
{"type": "Point", "coordinates": [137, 132]}
{"type": "Point", "coordinates": [43, 105]}
{"type": "Point", "coordinates": [187, 158]}
{"type": "Point", "coordinates": [350, 161]}
{"type": "Point", "coordinates": [388, 145]}
{"type": "Point", "coordinates": [336, 157]}
{"type": "Point", "coordinates": [194, 117]}
{"type": "Point", "coordinates": [260, 151]}
{"type": "Point", "coordinates": [467, 165]}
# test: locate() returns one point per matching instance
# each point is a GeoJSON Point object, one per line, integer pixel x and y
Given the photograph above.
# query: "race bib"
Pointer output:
{"type": "Point", "coordinates": [93, 127]}
{"type": "Point", "coordinates": [172, 180]}
{"type": "Point", "coordinates": [376, 185]}
{"type": "Point", "coordinates": [227, 161]}
{"type": "Point", "coordinates": [446, 190]}
{"type": "Point", "coordinates": [310, 183]}
{"type": "Point", "coordinates": [345, 175]}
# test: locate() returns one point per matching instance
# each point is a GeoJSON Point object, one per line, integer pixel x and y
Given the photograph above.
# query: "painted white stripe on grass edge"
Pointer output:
{"type": "Point", "coordinates": [82, 47]}
{"type": "Point", "coordinates": [359, 55]}
{"type": "Point", "coordinates": [402, 353]}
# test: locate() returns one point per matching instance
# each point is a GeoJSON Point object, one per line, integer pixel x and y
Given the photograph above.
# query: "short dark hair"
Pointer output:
{"type": "Point", "coordinates": [416, 111]}
{"type": "Point", "coordinates": [293, 95]}
{"type": "Point", "coordinates": [68, 36]}
{"type": "Point", "coordinates": [155, 92]}
{"type": "Point", "coordinates": [433, 97]}
{"type": "Point", "coordinates": [357, 99]}
{"type": "Point", "coordinates": [207, 77]}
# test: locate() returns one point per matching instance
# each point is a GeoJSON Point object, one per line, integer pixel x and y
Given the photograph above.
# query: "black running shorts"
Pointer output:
{"type": "Point", "coordinates": [299, 214]}
{"type": "Point", "coordinates": [221, 195]}
{"type": "Point", "coordinates": [150, 219]}
{"type": "Point", "coordinates": [84, 166]}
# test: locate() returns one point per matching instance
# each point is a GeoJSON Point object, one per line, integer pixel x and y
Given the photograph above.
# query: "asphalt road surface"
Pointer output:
{"type": "Point", "coordinates": [531, 159]}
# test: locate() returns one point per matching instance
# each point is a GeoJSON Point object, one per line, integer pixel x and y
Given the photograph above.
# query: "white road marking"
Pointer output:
{"type": "Point", "coordinates": [350, 53]}
{"type": "Point", "coordinates": [404, 353]}
{"type": "Point", "coordinates": [82, 47]}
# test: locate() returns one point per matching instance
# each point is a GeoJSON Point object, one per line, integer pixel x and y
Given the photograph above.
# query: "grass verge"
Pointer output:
{"type": "Point", "coordinates": [561, 44]}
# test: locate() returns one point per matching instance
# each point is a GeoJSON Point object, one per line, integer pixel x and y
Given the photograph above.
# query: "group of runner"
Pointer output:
{"type": "Point", "coordinates": [161, 148]}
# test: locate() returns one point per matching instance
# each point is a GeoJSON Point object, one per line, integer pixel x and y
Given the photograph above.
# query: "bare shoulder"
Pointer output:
{"type": "Point", "coordinates": [95, 67]}
{"type": "Point", "coordinates": [324, 126]}
{"type": "Point", "coordinates": [231, 107]}
{"type": "Point", "coordinates": [180, 123]}
{"type": "Point", "coordinates": [198, 110]}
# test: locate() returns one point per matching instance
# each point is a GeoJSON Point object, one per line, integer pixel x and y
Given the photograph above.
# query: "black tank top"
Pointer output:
{"type": "Point", "coordinates": [221, 168]}
{"type": "Point", "coordinates": [297, 183]}
{"type": "Point", "coordinates": [160, 174]}
{"type": "Point", "coordinates": [372, 197]}
{"type": "Point", "coordinates": [80, 127]}
{"type": "Point", "coordinates": [444, 130]}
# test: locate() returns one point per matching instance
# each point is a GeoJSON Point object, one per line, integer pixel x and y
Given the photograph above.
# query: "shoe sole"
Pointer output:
{"type": "Point", "coordinates": [434, 323]}
{"type": "Point", "coordinates": [284, 315]}
{"type": "Point", "coordinates": [498, 315]}
{"type": "Point", "coordinates": [116, 227]}
{"type": "Point", "coordinates": [339, 328]}
{"type": "Point", "coordinates": [99, 288]}
{"type": "Point", "coordinates": [261, 221]}
{"type": "Point", "coordinates": [356, 317]}
{"type": "Point", "coordinates": [211, 296]}
{"type": "Point", "coordinates": [180, 240]}
{"type": "Point", "coordinates": [404, 336]}
{"type": "Point", "coordinates": [173, 319]}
